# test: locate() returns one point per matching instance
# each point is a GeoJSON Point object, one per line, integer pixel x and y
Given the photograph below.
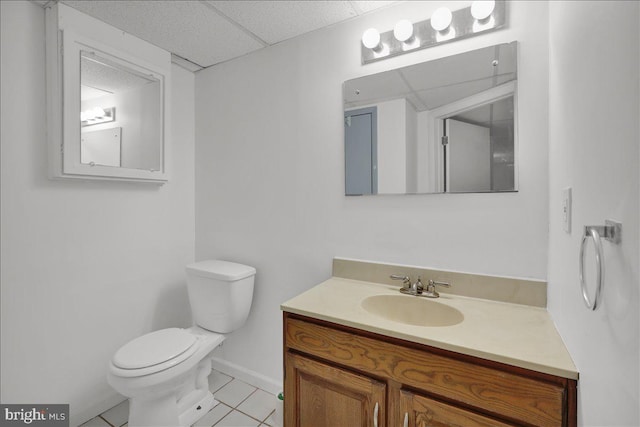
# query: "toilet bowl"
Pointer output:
{"type": "Point", "coordinates": [165, 373]}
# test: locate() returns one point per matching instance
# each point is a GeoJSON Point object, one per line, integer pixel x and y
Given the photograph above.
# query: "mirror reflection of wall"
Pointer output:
{"type": "Point", "coordinates": [101, 147]}
{"type": "Point", "coordinates": [421, 105]}
{"type": "Point", "coordinates": [132, 106]}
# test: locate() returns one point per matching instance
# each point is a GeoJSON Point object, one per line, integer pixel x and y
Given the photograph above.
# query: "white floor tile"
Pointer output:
{"type": "Point", "coordinates": [259, 405]}
{"type": "Point", "coordinates": [234, 393]}
{"type": "Point", "coordinates": [237, 419]}
{"type": "Point", "coordinates": [217, 380]}
{"type": "Point", "coordinates": [213, 416]}
{"type": "Point", "coordinates": [96, 422]}
{"type": "Point", "coordinates": [118, 415]}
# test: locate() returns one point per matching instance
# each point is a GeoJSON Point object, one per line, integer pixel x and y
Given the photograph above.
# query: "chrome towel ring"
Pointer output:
{"type": "Point", "coordinates": [611, 231]}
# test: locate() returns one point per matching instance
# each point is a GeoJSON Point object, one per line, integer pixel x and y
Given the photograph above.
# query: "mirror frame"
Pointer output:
{"type": "Point", "coordinates": [66, 38]}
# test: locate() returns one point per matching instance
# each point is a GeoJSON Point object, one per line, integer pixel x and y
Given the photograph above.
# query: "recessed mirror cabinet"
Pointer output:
{"type": "Point", "coordinates": [442, 126]}
{"type": "Point", "coordinates": [108, 109]}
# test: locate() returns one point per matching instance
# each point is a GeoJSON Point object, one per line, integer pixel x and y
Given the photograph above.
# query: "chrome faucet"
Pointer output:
{"type": "Point", "coordinates": [431, 292]}
{"type": "Point", "coordinates": [409, 288]}
{"type": "Point", "coordinates": [417, 288]}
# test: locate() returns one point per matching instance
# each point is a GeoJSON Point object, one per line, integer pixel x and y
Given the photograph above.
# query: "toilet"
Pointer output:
{"type": "Point", "coordinates": [165, 373]}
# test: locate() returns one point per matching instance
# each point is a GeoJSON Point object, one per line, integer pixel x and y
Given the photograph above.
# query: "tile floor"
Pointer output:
{"type": "Point", "coordinates": [241, 405]}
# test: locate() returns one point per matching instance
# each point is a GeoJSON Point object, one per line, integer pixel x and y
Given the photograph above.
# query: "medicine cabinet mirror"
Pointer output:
{"type": "Point", "coordinates": [108, 101]}
{"type": "Point", "coordinates": [443, 126]}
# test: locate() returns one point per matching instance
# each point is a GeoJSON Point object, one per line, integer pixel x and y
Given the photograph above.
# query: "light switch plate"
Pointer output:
{"type": "Point", "coordinates": [566, 209]}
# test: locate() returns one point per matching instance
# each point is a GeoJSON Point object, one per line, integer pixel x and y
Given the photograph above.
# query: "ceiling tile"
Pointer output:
{"type": "Point", "coordinates": [367, 6]}
{"type": "Point", "coordinates": [208, 32]}
{"type": "Point", "coordinates": [189, 29]}
{"type": "Point", "coordinates": [275, 21]}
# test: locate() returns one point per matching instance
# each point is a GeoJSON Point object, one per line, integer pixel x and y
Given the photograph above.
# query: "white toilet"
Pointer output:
{"type": "Point", "coordinates": [165, 373]}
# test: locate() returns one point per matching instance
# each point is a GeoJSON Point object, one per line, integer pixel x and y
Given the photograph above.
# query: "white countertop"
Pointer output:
{"type": "Point", "coordinates": [514, 334]}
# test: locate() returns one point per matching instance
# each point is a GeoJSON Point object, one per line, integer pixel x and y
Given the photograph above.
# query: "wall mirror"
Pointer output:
{"type": "Point", "coordinates": [108, 101]}
{"type": "Point", "coordinates": [443, 126]}
{"type": "Point", "coordinates": [120, 114]}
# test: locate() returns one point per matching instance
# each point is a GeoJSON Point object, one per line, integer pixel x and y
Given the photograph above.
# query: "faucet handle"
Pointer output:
{"type": "Point", "coordinates": [430, 291]}
{"type": "Point", "coordinates": [406, 280]}
{"type": "Point", "coordinates": [433, 283]}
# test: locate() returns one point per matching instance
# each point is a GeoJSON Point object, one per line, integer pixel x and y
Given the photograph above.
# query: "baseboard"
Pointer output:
{"type": "Point", "coordinates": [243, 374]}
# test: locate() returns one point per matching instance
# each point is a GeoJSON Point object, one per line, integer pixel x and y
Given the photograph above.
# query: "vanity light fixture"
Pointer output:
{"type": "Point", "coordinates": [444, 26]}
{"type": "Point", "coordinates": [97, 115]}
{"type": "Point", "coordinates": [482, 12]}
{"type": "Point", "coordinates": [403, 31]}
{"type": "Point", "coordinates": [482, 9]}
{"type": "Point", "coordinates": [371, 40]}
{"type": "Point", "coordinates": [441, 19]}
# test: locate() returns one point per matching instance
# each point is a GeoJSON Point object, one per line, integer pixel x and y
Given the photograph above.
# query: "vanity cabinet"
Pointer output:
{"type": "Point", "coordinates": [341, 376]}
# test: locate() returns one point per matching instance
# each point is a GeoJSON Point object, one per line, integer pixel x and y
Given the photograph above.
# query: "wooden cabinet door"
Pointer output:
{"type": "Point", "coordinates": [321, 395]}
{"type": "Point", "coordinates": [421, 411]}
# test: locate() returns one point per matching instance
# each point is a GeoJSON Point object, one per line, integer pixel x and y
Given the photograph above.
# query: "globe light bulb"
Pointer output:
{"type": "Point", "coordinates": [482, 9]}
{"type": "Point", "coordinates": [403, 30]}
{"type": "Point", "coordinates": [371, 39]}
{"type": "Point", "coordinates": [441, 19]}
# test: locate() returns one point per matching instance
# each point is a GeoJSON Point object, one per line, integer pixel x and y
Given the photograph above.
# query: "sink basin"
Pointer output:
{"type": "Point", "coordinates": [412, 310]}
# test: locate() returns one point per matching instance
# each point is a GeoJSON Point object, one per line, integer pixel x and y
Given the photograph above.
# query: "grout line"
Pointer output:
{"type": "Point", "coordinates": [104, 419]}
{"type": "Point", "coordinates": [246, 398]}
{"type": "Point", "coordinates": [225, 415]}
{"type": "Point", "coordinates": [270, 413]}
{"type": "Point", "coordinates": [251, 416]}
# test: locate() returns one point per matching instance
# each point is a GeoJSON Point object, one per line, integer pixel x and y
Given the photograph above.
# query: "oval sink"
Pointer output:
{"type": "Point", "coordinates": [411, 310]}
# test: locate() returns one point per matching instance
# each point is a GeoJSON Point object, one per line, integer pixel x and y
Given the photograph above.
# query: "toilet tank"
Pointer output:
{"type": "Point", "coordinates": [220, 294]}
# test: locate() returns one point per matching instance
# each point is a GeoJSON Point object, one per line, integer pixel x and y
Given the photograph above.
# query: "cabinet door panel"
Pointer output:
{"type": "Point", "coordinates": [320, 395]}
{"type": "Point", "coordinates": [518, 397]}
{"type": "Point", "coordinates": [425, 412]}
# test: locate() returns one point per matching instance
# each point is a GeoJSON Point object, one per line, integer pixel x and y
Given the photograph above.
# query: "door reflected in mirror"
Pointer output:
{"type": "Point", "coordinates": [448, 125]}
{"type": "Point", "coordinates": [479, 155]}
{"type": "Point", "coordinates": [120, 114]}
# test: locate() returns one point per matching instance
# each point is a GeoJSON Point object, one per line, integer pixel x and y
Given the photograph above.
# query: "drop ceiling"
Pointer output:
{"type": "Point", "coordinates": [203, 33]}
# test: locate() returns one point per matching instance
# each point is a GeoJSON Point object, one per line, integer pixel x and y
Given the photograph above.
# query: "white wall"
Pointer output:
{"type": "Point", "coordinates": [270, 174]}
{"type": "Point", "coordinates": [84, 266]}
{"type": "Point", "coordinates": [594, 142]}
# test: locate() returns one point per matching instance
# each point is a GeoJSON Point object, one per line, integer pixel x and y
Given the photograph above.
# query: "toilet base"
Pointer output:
{"type": "Point", "coordinates": [179, 405]}
{"type": "Point", "coordinates": [162, 412]}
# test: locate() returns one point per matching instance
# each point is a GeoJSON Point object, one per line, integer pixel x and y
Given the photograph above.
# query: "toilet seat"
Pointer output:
{"type": "Point", "coordinates": [154, 352]}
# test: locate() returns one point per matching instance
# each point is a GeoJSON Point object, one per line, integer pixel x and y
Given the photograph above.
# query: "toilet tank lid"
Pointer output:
{"type": "Point", "coordinates": [221, 270]}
